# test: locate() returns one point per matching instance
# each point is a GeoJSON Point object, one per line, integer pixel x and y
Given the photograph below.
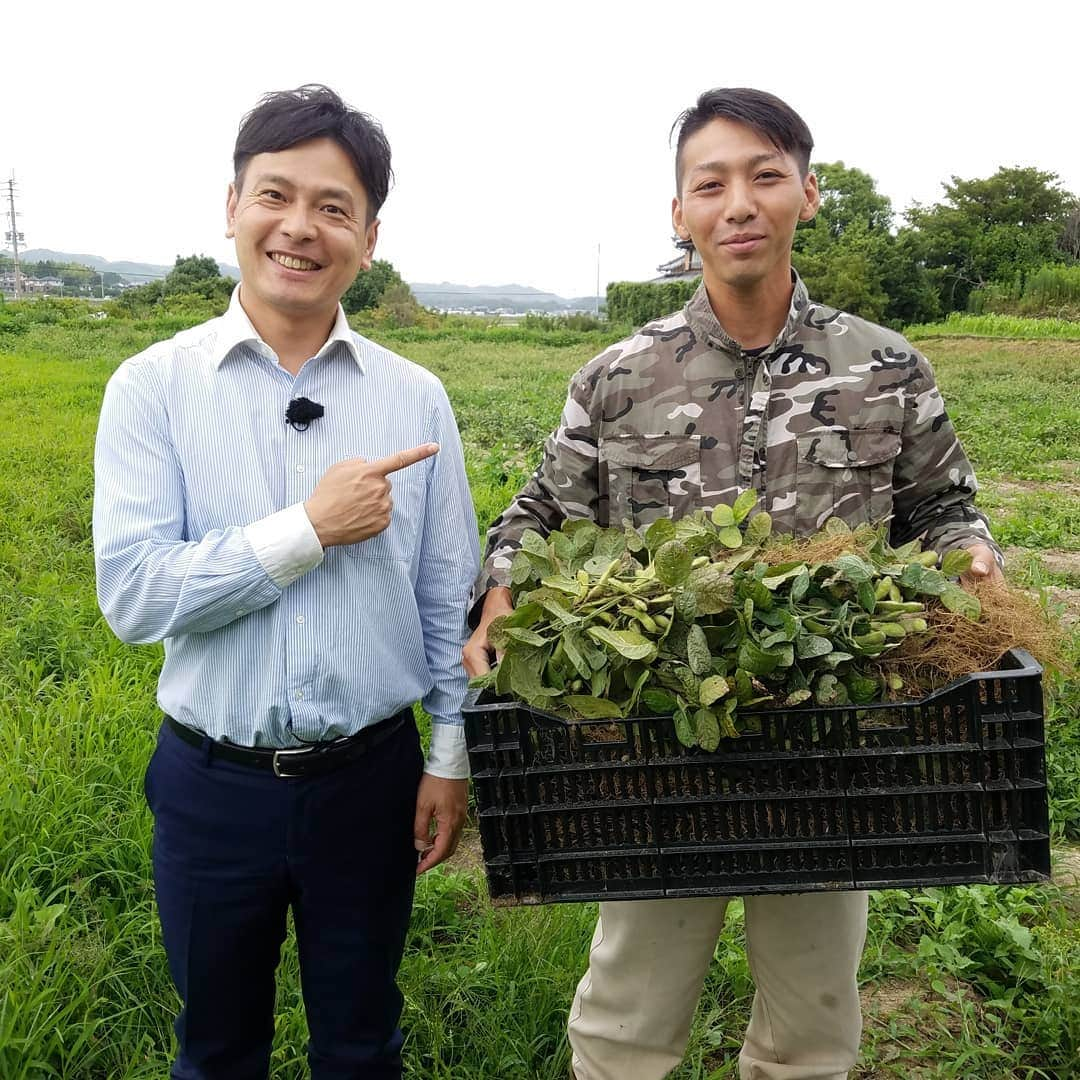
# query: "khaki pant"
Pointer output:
{"type": "Point", "coordinates": [634, 1006]}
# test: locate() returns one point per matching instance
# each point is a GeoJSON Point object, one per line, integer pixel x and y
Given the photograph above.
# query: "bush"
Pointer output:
{"type": "Point", "coordinates": [638, 302]}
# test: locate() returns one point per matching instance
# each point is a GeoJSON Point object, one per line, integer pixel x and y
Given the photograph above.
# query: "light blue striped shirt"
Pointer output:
{"type": "Point", "coordinates": [201, 538]}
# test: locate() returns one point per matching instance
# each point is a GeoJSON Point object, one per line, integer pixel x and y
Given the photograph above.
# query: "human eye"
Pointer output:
{"type": "Point", "coordinates": [271, 195]}
{"type": "Point", "coordinates": [769, 174]}
{"type": "Point", "coordinates": [709, 185]}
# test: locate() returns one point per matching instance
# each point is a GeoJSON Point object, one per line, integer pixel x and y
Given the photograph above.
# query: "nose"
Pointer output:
{"type": "Point", "coordinates": [741, 205]}
{"type": "Point", "coordinates": [299, 222]}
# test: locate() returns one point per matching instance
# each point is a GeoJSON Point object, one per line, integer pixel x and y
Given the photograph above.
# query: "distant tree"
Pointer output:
{"type": "Point", "coordinates": [368, 288]}
{"type": "Point", "coordinates": [849, 199]}
{"type": "Point", "coordinates": [189, 272]}
{"type": "Point", "coordinates": [991, 230]}
{"type": "Point", "coordinates": [1069, 240]}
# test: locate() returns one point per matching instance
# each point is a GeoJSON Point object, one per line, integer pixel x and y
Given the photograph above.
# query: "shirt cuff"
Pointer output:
{"type": "Point", "coordinates": [448, 757]}
{"type": "Point", "coordinates": [286, 544]}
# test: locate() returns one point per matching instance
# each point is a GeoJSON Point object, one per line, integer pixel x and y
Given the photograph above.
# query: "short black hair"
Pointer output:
{"type": "Point", "coordinates": [287, 117]}
{"type": "Point", "coordinates": [760, 111]}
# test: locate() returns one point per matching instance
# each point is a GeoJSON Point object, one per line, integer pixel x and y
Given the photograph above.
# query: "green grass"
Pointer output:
{"type": "Point", "coordinates": [960, 324]}
{"type": "Point", "coordinates": [84, 991]}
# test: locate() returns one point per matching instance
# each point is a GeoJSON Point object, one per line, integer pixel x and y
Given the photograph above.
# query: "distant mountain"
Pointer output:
{"type": "Point", "coordinates": [513, 297]}
{"type": "Point", "coordinates": [134, 271]}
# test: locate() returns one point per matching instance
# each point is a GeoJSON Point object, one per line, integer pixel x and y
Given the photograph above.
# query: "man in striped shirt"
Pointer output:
{"type": "Point", "coordinates": [284, 504]}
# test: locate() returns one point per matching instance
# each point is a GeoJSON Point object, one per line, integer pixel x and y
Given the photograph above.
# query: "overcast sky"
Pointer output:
{"type": "Point", "coordinates": [524, 136]}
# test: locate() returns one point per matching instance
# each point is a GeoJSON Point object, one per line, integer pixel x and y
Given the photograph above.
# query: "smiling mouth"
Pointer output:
{"type": "Point", "coordinates": [293, 262]}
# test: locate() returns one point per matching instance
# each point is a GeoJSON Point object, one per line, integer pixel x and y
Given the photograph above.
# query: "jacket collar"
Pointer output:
{"type": "Point", "coordinates": [706, 325]}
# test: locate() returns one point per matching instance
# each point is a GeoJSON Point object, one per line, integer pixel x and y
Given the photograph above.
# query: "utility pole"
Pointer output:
{"type": "Point", "coordinates": [14, 235]}
{"type": "Point", "coordinates": [597, 301]}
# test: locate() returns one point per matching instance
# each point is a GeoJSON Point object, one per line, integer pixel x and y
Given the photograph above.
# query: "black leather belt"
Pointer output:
{"type": "Point", "coordinates": [294, 762]}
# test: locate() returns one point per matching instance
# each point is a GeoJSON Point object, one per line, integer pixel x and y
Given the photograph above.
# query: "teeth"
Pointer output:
{"type": "Point", "coordinates": [292, 263]}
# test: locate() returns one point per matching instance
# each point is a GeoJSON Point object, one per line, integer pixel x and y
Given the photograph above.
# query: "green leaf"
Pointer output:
{"type": "Point", "coordinates": [837, 527]}
{"type": "Point", "coordinates": [503, 674]}
{"type": "Point", "coordinates": [686, 603]}
{"type": "Point", "coordinates": [526, 637]}
{"type": "Point", "coordinates": [633, 539]}
{"type": "Point", "coordinates": [730, 537]}
{"type": "Point", "coordinates": [593, 708]}
{"type": "Point", "coordinates": [797, 697]}
{"type": "Point", "coordinates": [659, 702]}
{"type": "Point", "coordinates": [723, 516]}
{"type": "Point", "coordinates": [758, 528]}
{"type": "Point", "coordinates": [684, 728]}
{"type": "Point", "coordinates": [672, 562]}
{"type": "Point", "coordinates": [627, 643]}
{"type": "Point", "coordinates": [853, 569]}
{"type": "Point", "coordinates": [496, 632]}
{"type": "Point", "coordinates": [933, 583]}
{"type": "Point", "coordinates": [562, 546]}
{"type": "Point", "coordinates": [836, 657]}
{"type": "Point", "coordinates": [746, 502]}
{"type": "Point", "coordinates": [525, 680]}
{"type": "Point", "coordinates": [727, 719]}
{"type": "Point", "coordinates": [521, 568]}
{"type": "Point", "coordinates": [911, 576]}
{"type": "Point", "coordinates": [755, 659]}
{"type": "Point", "coordinates": [865, 594]}
{"type": "Point", "coordinates": [572, 646]}
{"type": "Point", "coordinates": [559, 613]}
{"type": "Point", "coordinates": [525, 614]}
{"type": "Point", "coordinates": [713, 589]}
{"type": "Point", "coordinates": [963, 603]}
{"type": "Point", "coordinates": [800, 586]}
{"type": "Point", "coordinates": [712, 689]}
{"type": "Point", "coordinates": [807, 646]}
{"type": "Point", "coordinates": [825, 693]}
{"type": "Point", "coordinates": [635, 692]}
{"type": "Point", "coordinates": [775, 576]}
{"type": "Point", "coordinates": [707, 729]}
{"type": "Point", "coordinates": [697, 651]}
{"type": "Point", "coordinates": [659, 533]}
{"type": "Point", "coordinates": [534, 543]}
{"type": "Point", "coordinates": [562, 584]}
{"type": "Point", "coordinates": [610, 544]}
{"type": "Point", "coordinates": [863, 688]}
{"type": "Point", "coordinates": [956, 562]}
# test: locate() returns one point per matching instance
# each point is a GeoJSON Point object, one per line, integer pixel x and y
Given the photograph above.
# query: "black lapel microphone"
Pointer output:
{"type": "Point", "coordinates": [301, 412]}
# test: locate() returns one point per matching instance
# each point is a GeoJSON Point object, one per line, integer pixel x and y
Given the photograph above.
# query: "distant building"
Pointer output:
{"type": "Point", "coordinates": [684, 267]}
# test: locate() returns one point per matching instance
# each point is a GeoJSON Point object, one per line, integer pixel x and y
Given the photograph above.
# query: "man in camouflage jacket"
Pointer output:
{"type": "Point", "coordinates": [751, 386]}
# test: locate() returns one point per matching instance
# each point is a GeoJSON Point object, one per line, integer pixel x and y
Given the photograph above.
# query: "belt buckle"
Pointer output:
{"type": "Point", "coordinates": [300, 751]}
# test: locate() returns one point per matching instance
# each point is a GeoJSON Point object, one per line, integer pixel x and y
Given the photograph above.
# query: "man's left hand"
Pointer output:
{"type": "Point", "coordinates": [984, 567]}
{"type": "Point", "coordinates": [440, 805]}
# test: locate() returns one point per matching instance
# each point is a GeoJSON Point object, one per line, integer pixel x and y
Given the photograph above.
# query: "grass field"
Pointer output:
{"type": "Point", "coordinates": [958, 983]}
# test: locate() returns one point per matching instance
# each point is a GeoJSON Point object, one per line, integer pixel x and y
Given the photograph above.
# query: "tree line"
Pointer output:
{"type": "Point", "coordinates": [987, 245]}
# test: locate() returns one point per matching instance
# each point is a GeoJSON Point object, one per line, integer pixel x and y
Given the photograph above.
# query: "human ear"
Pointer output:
{"type": "Point", "coordinates": [811, 198]}
{"type": "Point", "coordinates": [230, 212]}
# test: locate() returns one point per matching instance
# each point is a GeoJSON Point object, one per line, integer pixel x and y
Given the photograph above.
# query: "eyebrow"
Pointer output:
{"type": "Point", "coordinates": [341, 194]}
{"type": "Point", "coordinates": [723, 166]}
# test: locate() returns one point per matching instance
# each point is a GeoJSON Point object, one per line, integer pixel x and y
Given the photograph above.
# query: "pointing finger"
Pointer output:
{"type": "Point", "coordinates": [403, 459]}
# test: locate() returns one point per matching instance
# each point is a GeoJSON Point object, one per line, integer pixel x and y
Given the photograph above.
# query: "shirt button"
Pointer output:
{"type": "Point", "coordinates": [299, 695]}
{"type": "Point", "coordinates": [299, 468]}
{"type": "Point", "coordinates": [299, 618]}
{"type": "Point", "coordinates": [851, 455]}
{"type": "Point", "coordinates": [739, 373]}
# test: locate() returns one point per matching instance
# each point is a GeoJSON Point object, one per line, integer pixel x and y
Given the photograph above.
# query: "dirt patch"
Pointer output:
{"type": "Point", "coordinates": [885, 998]}
{"type": "Point", "coordinates": [1010, 490]}
{"type": "Point", "coordinates": [1066, 864]}
{"type": "Point", "coordinates": [1065, 563]}
{"type": "Point", "coordinates": [1069, 600]}
{"type": "Point", "coordinates": [469, 857]}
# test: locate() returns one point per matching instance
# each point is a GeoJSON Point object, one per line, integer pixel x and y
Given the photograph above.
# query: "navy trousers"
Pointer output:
{"type": "Point", "coordinates": [234, 848]}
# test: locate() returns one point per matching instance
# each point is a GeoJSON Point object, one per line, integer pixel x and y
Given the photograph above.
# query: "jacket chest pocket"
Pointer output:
{"type": "Point", "coordinates": [846, 474]}
{"type": "Point", "coordinates": [645, 477]}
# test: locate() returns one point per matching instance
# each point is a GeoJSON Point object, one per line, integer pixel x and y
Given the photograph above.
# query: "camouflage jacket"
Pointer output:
{"type": "Point", "coordinates": [837, 417]}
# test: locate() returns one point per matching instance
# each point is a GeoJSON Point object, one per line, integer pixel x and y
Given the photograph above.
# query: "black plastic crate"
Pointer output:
{"type": "Point", "coordinates": [947, 790]}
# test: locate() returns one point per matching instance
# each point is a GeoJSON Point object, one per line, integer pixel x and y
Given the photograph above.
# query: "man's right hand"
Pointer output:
{"type": "Point", "coordinates": [478, 653]}
{"type": "Point", "coordinates": [352, 500]}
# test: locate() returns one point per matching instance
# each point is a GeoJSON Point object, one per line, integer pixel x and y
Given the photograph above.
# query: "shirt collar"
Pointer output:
{"type": "Point", "coordinates": [234, 328]}
{"type": "Point", "coordinates": [702, 318]}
